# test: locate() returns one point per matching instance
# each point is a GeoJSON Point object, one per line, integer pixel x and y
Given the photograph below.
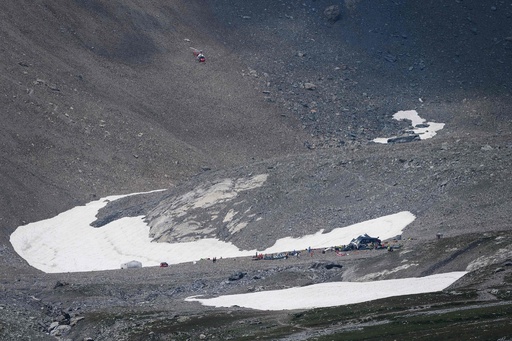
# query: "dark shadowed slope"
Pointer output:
{"type": "Point", "coordinates": [378, 58]}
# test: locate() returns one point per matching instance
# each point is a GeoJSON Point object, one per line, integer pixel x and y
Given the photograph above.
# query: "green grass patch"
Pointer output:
{"type": "Point", "coordinates": [478, 323]}
{"type": "Point", "coordinates": [383, 308]}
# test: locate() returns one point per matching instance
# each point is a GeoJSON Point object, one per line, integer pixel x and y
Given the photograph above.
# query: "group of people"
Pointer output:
{"type": "Point", "coordinates": [282, 255]}
{"type": "Point", "coordinates": [294, 253]}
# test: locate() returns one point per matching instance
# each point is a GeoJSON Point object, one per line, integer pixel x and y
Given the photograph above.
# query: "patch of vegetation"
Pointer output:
{"type": "Point", "coordinates": [381, 309]}
{"type": "Point", "coordinates": [408, 317]}
{"type": "Point", "coordinates": [480, 322]}
{"type": "Point", "coordinates": [242, 325]}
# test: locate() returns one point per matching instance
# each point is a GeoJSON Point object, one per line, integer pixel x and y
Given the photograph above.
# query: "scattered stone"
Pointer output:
{"type": "Point", "coordinates": [326, 265]}
{"type": "Point", "coordinates": [390, 58]}
{"type": "Point", "coordinates": [422, 125]}
{"type": "Point", "coordinates": [404, 139]}
{"type": "Point", "coordinates": [308, 145]}
{"type": "Point", "coordinates": [182, 319]}
{"type": "Point", "coordinates": [332, 13]}
{"type": "Point", "coordinates": [333, 265]}
{"type": "Point", "coordinates": [61, 330]}
{"type": "Point", "coordinates": [487, 148]}
{"type": "Point", "coordinates": [53, 325]}
{"type": "Point", "coordinates": [74, 320]}
{"type": "Point", "coordinates": [53, 87]}
{"type": "Point", "coordinates": [236, 276]}
{"type": "Point", "coordinates": [253, 73]}
{"type": "Point", "coordinates": [63, 318]}
{"type": "Point", "coordinates": [309, 86]}
{"type": "Point", "coordinates": [59, 284]}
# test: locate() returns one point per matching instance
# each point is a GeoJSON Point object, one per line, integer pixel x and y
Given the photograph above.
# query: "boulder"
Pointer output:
{"type": "Point", "coordinates": [332, 13]}
{"type": "Point", "coordinates": [404, 139]}
{"type": "Point", "coordinates": [309, 86]}
{"type": "Point", "coordinates": [330, 266]}
{"type": "Point", "coordinates": [61, 330]}
{"type": "Point", "coordinates": [59, 284]}
{"type": "Point", "coordinates": [422, 125]}
{"type": "Point", "coordinates": [236, 276]}
{"type": "Point", "coordinates": [326, 265]}
{"type": "Point", "coordinates": [53, 325]}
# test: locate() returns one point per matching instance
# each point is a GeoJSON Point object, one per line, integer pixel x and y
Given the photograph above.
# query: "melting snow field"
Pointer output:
{"type": "Point", "coordinates": [332, 294]}
{"type": "Point", "coordinates": [67, 243]}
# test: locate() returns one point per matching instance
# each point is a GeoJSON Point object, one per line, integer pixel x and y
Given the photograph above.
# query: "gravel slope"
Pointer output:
{"type": "Point", "coordinates": [105, 98]}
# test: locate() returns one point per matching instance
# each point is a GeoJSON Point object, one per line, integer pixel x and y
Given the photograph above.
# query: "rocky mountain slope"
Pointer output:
{"type": "Point", "coordinates": [97, 93]}
{"type": "Point", "coordinates": [103, 98]}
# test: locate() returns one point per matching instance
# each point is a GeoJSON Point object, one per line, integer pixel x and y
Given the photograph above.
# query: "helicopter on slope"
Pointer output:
{"type": "Point", "coordinates": [199, 55]}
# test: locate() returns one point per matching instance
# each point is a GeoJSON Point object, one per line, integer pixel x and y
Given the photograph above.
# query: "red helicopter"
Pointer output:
{"type": "Point", "coordinates": [199, 55]}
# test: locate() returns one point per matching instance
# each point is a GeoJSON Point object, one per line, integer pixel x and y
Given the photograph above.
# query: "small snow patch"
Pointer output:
{"type": "Point", "coordinates": [421, 127]}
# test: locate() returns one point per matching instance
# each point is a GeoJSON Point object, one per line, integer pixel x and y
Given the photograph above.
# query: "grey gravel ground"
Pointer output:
{"type": "Point", "coordinates": [105, 98]}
